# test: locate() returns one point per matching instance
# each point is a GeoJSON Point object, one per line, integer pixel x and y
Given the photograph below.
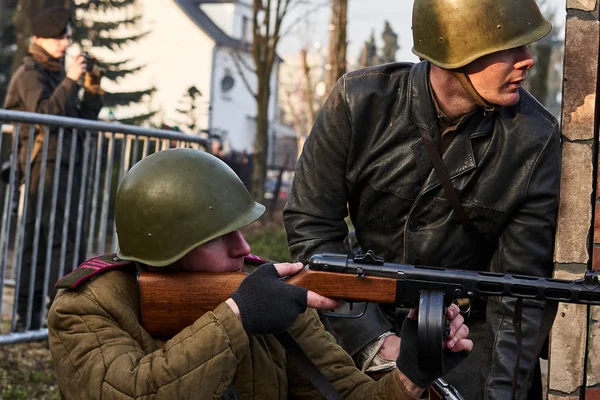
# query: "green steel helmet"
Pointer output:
{"type": "Point", "coordinates": [452, 33]}
{"type": "Point", "coordinates": [175, 200]}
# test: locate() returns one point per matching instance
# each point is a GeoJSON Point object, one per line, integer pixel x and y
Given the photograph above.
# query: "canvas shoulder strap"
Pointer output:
{"type": "Point", "coordinates": [307, 367]}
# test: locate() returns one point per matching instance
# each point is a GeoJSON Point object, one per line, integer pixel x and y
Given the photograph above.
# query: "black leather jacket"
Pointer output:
{"type": "Point", "coordinates": [365, 155]}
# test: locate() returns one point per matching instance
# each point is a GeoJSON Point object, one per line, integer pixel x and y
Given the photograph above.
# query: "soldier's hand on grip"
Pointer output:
{"type": "Point", "coordinates": [269, 305]}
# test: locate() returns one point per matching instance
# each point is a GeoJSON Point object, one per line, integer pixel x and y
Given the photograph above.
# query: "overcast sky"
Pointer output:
{"type": "Point", "coordinates": [363, 17]}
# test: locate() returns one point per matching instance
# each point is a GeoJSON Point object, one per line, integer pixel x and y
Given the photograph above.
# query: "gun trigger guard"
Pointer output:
{"type": "Point", "coordinates": [340, 315]}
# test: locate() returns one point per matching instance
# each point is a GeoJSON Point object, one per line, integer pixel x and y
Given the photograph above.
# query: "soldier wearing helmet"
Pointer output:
{"type": "Point", "coordinates": [182, 210]}
{"type": "Point", "coordinates": [448, 162]}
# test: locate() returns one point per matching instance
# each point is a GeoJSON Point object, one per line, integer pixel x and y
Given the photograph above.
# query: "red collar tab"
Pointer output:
{"type": "Point", "coordinates": [91, 268]}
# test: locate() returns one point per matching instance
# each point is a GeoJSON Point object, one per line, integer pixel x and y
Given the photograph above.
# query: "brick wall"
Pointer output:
{"type": "Point", "coordinates": [574, 367]}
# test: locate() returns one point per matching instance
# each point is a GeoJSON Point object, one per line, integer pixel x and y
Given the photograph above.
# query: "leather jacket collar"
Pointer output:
{"type": "Point", "coordinates": [422, 109]}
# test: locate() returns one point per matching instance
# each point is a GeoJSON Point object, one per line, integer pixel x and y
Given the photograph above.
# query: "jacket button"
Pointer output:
{"type": "Point", "coordinates": [415, 225]}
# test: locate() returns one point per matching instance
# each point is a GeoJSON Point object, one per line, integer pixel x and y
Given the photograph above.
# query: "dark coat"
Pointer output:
{"type": "Point", "coordinates": [365, 155]}
{"type": "Point", "coordinates": [35, 88]}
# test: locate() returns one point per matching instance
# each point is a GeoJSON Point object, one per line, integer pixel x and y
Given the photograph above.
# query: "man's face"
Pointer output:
{"type": "Point", "coordinates": [497, 77]}
{"type": "Point", "coordinates": [223, 254]}
{"type": "Point", "coordinates": [56, 47]}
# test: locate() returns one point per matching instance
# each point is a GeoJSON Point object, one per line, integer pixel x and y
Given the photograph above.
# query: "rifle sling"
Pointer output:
{"type": "Point", "coordinates": [307, 367]}
{"type": "Point", "coordinates": [442, 174]}
{"type": "Point", "coordinates": [463, 218]}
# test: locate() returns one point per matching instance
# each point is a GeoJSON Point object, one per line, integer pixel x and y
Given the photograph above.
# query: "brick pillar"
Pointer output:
{"type": "Point", "coordinates": [592, 391]}
{"type": "Point", "coordinates": [569, 337]}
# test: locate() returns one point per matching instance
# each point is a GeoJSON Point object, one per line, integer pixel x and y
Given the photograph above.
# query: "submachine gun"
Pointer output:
{"type": "Point", "coordinates": [364, 278]}
{"type": "Point", "coordinates": [433, 289]}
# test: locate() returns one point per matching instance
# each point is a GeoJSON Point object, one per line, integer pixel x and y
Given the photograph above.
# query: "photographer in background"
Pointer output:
{"type": "Point", "coordinates": [42, 85]}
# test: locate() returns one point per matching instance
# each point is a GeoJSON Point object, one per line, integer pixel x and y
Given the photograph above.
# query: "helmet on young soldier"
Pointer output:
{"type": "Point", "coordinates": [175, 200]}
{"type": "Point", "coordinates": [452, 33]}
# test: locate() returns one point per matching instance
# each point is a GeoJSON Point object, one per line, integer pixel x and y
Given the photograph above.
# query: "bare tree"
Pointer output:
{"type": "Point", "coordinates": [336, 64]}
{"type": "Point", "coordinates": [537, 82]}
{"type": "Point", "coordinates": [308, 92]}
{"type": "Point", "coordinates": [267, 29]}
{"type": "Point", "coordinates": [301, 103]}
{"type": "Point", "coordinates": [302, 82]}
{"type": "Point", "coordinates": [267, 18]}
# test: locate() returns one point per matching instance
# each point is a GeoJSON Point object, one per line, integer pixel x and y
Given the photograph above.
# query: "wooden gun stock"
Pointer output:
{"type": "Point", "coordinates": [170, 302]}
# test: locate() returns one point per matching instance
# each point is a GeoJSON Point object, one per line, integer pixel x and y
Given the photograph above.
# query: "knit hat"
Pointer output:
{"type": "Point", "coordinates": [50, 22]}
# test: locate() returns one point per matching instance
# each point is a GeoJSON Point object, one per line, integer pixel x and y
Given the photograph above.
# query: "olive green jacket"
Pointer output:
{"type": "Point", "coordinates": [102, 352]}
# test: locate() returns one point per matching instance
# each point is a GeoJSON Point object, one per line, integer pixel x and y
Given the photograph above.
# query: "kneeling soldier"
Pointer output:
{"type": "Point", "coordinates": [182, 210]}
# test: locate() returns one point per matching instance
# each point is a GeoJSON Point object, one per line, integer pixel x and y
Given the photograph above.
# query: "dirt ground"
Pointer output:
{"type": "Point", "coordinates": [27, 372]}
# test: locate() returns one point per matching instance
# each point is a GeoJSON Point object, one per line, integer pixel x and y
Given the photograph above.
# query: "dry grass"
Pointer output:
{"type": "Point", "coordinates": [27, 372]}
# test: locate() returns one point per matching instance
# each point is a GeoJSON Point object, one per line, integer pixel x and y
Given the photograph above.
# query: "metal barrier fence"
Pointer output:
{"type": "Point", "coordinates": [56, 200]}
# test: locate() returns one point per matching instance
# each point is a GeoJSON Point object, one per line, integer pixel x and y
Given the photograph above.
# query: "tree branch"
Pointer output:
{"type": "Point", "coordinates": [236, 52]}
{"type": "Point", "coordinates": [237, 60]}
{"type": "Point", "coordinates": [296, 22]}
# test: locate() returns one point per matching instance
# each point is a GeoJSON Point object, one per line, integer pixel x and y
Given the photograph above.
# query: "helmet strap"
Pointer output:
{"type": "Point", "coordinates": [470, 89]}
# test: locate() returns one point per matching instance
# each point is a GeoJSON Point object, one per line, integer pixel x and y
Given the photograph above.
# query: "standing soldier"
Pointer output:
{"type": "Point", "coordinates": [42, 85]}
{"type": "Point", "coordinates": [448, 162]}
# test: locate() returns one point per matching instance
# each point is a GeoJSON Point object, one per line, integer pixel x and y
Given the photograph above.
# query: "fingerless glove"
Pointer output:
{"type": "Point", "coordinates": [267, 304]}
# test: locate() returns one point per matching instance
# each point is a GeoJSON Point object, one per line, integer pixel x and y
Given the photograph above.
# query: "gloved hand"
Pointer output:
{"type": "Point", "coordinates": [408, 360]}
{"type": "Point", "coordinates": [266, 303]}
{"type": "Point", "coordinates": [92, 80]}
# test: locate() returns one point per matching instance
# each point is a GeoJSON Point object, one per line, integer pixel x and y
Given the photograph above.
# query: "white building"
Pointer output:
{"type": "Point", "coordinates": [193, 43]}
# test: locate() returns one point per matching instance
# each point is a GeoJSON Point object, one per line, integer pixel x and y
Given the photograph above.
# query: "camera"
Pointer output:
{"type": "Point", "coordinates": [90, 61]}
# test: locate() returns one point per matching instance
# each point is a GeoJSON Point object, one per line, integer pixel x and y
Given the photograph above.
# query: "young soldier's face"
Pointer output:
{"type": "Point", "coordinates": [497, 77]}
{"type": "Point", "coordinates": [223, 254]}
{"type": "Point", "coordinates": [57, 46]}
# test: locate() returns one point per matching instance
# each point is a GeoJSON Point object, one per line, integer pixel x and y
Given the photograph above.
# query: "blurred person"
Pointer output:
{"type": "Point", "coordinates": [182, 210]}
{"type": "Point", "coordinates": [42, 85]}
{"type": "Point", "coordinates": [246, 168]}
{"type": "Point", "coordinates": [448, 162]}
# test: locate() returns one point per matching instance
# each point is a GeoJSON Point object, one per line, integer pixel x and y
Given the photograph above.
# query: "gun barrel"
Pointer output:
{"type": "Point", "coordinates": [412, 279]}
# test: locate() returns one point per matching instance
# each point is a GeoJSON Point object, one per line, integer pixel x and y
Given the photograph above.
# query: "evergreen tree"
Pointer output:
{"type": "Point", "coordinates": [8, 41]}
{"type": "Point", "coordinates": [390, 44]}
{"type": "Point", "coordinates": [189, 108]}
{"type": "Point", "coordinates": [368, 55]}
{"type": "Point", "coordinates": [93, 30]}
